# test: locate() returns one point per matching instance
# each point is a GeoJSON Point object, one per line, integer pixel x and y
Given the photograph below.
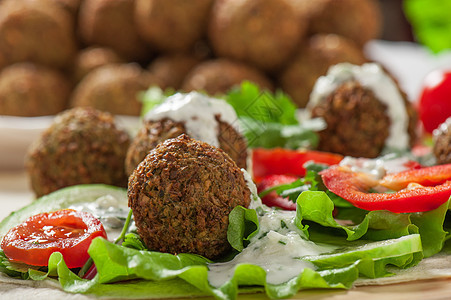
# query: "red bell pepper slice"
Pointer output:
{"type": "Point", "coordinates": [417, 190]}
{"type": "Point", "coordinates": [287, 162]}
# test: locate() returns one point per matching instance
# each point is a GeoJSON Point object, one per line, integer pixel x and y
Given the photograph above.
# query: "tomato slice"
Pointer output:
{"type": "Point", "coordinates": [272, 199]}
{"type": "Point", "coordinates": [67, 231]}
{"type": "Point", "coordinates": [419, 189]}
{"type": "Point", "coordinates": [289, 162]}
{"type": "Point", "coordinates": [434, 104]}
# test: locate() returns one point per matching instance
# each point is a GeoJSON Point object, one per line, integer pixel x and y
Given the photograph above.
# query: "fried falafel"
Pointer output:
{"type": "Point", "coordinates": [114, 88]}
{"type": "Point", "coordinates": [82, 146]}
{"type": "Point", "coordinates": [172, 69]}
{"type": "Point", "coordinates": [264, 33]}
{"type": "Point", "coordinates": [91, 58]}
{"type": "Point", "coordinates": [364, 110]}
{"type": "Point", "coordinates": [358, 20]}
{"type": "Point", "coordinates": [29, 90]}
{"type": "Point", "coordinates": [312, 60]}
{"type": "Point", "coordinates": [172, 25]}
{"type": "Point", "coordinates": [442, 142]}
{"type": "Point", "coordinates": [112, 24]}
{"type": "Point", "coordinates": [203, 118]}
{"type": "Point", "coordinates": [218, 76]}
{"type": "Point", "coordinates": [36, 31]}
{"type": "Point", "coordinates": [181, 195]}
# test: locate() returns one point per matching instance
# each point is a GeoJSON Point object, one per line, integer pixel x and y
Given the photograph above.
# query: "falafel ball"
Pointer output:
{"type": "Point", "coordinates": [358, 20]}
{"type": "Point", "coordinates": [364, 110]}
{"type": "Point", "coordinates": [112, 24]}
{"type": "Point", "coordinates": [82, 145]}
{"type": "Point", "coordinates": [114, 88]}
{"type": "Point", "coordinates": [207, 119]}
{"type": "Point", "coordinates": [181, 195]}
{"type": "Point", "coordinates": [313, 60]}
{"type": "Point", "coordinates": [218, 76]}
{"type": "Point", "coordinates": [154, 132]}
{"type": "Point", "coordinates": [264, 33]}
{"type": "Point", "coordinates": [442, 142]}
{"type": "Point", "coordinates": [91, 58]}
{"type": "Point", "coordinates": [172, 69]}
{"type": "Point", "coordinates": [29, 90]}
{"type": "Point", "coordinates": [172, 25]}
{"type": "Point", "coordinates": [36, 31]}
{"type": "Point", "coordinates": [71, 6]}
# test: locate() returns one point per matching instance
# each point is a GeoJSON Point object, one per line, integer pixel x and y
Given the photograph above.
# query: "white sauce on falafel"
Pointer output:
{"type": "Point", "coordinates": [198, 112]}
{"type": "Point", "coordinates": [278, 249]}
{"type": "Point", "coordinates": [255, 199]}
{"type": "Point", "coordinates": [373, 77]}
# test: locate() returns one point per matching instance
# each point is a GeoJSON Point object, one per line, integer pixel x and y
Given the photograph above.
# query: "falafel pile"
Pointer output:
{"type": "Point", "coordinates": [180, 190]}
{"type": "Point", "coordinates": [209, 45]}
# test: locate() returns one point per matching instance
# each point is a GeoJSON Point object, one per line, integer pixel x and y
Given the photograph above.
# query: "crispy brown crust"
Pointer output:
{"type": "Point", "coordinates": [263, 33]}
{"type": "Point", "coordinates": [442, 143]}
{"type": "Point", "coordinates": [20, 21]}
{"type": "Point", "coordinates": [28, 90]}
{"type": "Point", "coordinates": [358, 20]}
{"type": "Point", "coordinates": [357, 122]}
{"type": "Point", "coordinates": [113, 88]}
{"type": "Point", "coordinates": [171, 70]}
{"type": "Point", "coordinates": [218, 76]}
{"type": "Point", "coordinates": [112, 24]}
{"type": "Point", "coordinates": [154, 132]}
{"type": "Point", "coordinates": [91, 58]}
{"type": "Point", "coordinates": [172, 25]}
{"type": "Point", "coordinates": [148, 137]}
{"type": "Point", "coordinates": [181, 196]}
{"type": "Point", "coordinates": [313, 60]}
{"type": "Point", "coordinates": [83, 145]}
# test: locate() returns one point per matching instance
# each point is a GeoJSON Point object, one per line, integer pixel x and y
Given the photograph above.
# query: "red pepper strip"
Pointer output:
{"type": "Point", "coordinates": [354, 188]}
{"type": "Point", "coordinates": [279, 161]}
{"type": "Point", "coordinates": [425, 176]}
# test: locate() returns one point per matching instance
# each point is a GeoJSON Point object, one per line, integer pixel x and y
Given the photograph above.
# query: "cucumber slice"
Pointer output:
{"type": "Point", "coordinates": [79, 197]}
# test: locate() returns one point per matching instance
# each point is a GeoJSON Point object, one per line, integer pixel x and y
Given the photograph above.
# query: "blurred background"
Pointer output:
{"type": "Point", "coordinates": [57, 54]}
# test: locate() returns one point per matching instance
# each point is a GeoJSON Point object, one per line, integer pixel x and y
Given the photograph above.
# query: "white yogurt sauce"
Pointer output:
{"type": "Point", "coordinates": [377, 167]}
{"type": "Point", "coordinates": [197, 111]}
{"type": "Point", "coordinates": [373, 77]}
{"type": "Point", "coordinates": [278, 248]}
{"type": "Point", "coordinates": [441, 129]}
{"type": "Point", "coordinates": [255, 200]}
{"type": "Point", "coordinates": [109, 210]}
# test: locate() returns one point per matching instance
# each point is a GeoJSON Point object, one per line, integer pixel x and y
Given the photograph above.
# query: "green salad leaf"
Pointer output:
{"type": "Point", "coordinates": [431, 22]}
{"type": "Point", "coordinates": [360, 244]}
{"type": "Point", "coordinates": [315, 213]}
{"type": "Point", "coordinates": [249, 101]}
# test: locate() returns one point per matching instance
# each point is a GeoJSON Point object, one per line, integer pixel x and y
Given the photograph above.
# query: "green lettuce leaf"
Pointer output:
{"type": "Point", "coordinates": [130, 273]}
{"type": "Point", "coordinates": [315, 213]}
{"type": "Point", "coordinates": [431, 22]}
{"type": "Point", "coordinates": [243, 224]}
{"type": "Point", "coordinates": [248, 101]}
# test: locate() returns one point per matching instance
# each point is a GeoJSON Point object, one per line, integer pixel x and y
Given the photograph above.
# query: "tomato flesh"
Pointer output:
{"type": "Point", "coordinates": [435, 99]}
{"type": "Point", "coordinates": [272, 199]}
{"type": "Point", "coordinates": [66, 231]}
